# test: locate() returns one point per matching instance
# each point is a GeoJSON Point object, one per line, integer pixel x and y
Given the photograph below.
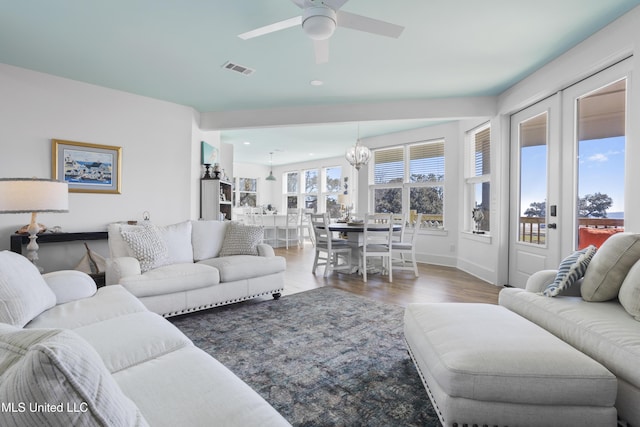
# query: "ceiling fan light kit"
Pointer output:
{"type": "Point", "coordinates": [319, 22]}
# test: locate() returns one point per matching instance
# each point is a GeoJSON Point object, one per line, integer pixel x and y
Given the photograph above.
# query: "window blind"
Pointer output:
{"type": "Point", "coordinates": [388, 165]}
{"type": "Point", "coordinates": [426, 162]}
{"type": "Point", "coordinates": [482, 155]}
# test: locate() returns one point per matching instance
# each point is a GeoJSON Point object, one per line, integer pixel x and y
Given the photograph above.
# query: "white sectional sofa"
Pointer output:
{"type": "Point", "coordinates": [72, 356]}
{"type": "Point", "coordinates": [598, 314]}
{"type": "Point", "coordinates": [193, 265]}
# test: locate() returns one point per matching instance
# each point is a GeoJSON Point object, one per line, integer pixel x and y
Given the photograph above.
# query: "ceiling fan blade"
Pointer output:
{"type": "Point", "coordinates": [335, 4]}
{"type": "Point", "coordinates": [369, 25]}
{"type": "Point", "coordinates": [321, 48]}
{"type": "Point", "coordinates": [287, 23]}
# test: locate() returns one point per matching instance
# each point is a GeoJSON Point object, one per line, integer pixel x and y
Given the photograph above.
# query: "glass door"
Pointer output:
{"type": "Point", "coordinates": [535, 193]}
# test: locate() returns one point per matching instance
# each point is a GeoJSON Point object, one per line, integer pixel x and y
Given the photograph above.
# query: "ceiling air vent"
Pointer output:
{"type": "Point", "coordinates": [238, 68]}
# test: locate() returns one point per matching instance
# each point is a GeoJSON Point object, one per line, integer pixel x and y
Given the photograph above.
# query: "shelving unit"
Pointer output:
{"type": "Point", "coordinates": [215, 198]}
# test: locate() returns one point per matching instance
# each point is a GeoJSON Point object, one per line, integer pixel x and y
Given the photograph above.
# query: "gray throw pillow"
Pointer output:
{"type": "Point", "coordinates": [609, 267]}
{"type": "Point", "coordinates": [241, 239]}
{"type": "Point", "coordinates": [629, 295]}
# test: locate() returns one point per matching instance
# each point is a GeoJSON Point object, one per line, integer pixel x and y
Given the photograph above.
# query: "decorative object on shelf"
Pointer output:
{"type": "Point", "coordinates": [208, 153]}
{"type": "Point", "coordinates": [271, 177]}
{"type": "Point", "coordinates": [207, 171]}
{"type": "Point", "coordinates": [216, 171]}
{"type": "Point", "coordinates": [477, 216]}
{"type": "Point", "coordinates": [87, 168]}
{"type": "Point", "coordinates": [33, 195]}
{"type": "Point", "coordinates": [358, 155]}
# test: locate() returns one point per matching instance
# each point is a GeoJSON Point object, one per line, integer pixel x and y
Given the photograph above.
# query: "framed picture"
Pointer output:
{"type": "Point", "coordinates": [87, 168]}
{"type": "Point", "coordinates": [209, 154]}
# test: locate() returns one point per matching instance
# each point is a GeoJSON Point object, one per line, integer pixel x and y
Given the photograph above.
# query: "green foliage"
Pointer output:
{"type": "Point", "coordinates": [594, 205]}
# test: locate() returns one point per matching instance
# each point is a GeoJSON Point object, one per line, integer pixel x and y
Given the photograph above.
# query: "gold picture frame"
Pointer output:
{"type": "Point", "coordinates": [87, 168]}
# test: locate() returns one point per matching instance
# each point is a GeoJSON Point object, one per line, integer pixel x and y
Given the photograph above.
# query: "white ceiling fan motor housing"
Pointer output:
{"type": "Point", "coordinates": [319, 22]}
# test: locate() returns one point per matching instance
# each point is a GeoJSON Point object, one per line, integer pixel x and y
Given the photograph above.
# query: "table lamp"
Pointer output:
{"type": "Point", "coordinates": [33, 195]}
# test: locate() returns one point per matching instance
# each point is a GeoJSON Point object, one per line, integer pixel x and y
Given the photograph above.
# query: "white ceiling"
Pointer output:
{"type": "Point", "coordinates": [174, 50]}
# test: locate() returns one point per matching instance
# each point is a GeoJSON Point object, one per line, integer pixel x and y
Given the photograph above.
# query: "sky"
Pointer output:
{"type": "Point", "coordinates": [600, 169]}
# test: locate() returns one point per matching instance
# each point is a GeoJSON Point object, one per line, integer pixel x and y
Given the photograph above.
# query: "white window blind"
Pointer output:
{"type": "Point", "coordinates": [482, 152]}
{"type": "Point", "coordinates": [388, 165]}
{"type": "Point", "coordinates": [426, 162]}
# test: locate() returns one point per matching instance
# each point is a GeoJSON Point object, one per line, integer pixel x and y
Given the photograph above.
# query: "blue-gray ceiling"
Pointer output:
{"type": "Point", "coordinates": [174, 50]}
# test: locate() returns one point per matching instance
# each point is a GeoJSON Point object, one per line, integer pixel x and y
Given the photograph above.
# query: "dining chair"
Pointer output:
{"type": "Point", "coordinates": [377, 243]}
{"type": "Point", "coordinates": [334, 249]}
{"type": "Point", "coordinates": [404, 252]}
{"type": "Point", "coordinates": [304, 227]}
{"type": "Point", "coordinates": [289, 231]}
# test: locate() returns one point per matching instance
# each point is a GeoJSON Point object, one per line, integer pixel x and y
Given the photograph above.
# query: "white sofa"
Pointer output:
{"type": "Point", "coordinates": [193, 265]}
{"type": "Point", "coordinates": [598, 314]}
{"type": "Point", "coordinates": [72, 356]}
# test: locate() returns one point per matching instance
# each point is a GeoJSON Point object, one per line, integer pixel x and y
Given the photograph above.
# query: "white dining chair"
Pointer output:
{"type": "Point", "coordinates": [305, 231]}
{"type": "Point", "coordinates": [289, 231]}
{"type": "Point", "coordinates": [404, 251]}
{"type": "Point", "coordinates": [334, 250]}
{"type": "Point", "coordinates": [377, 244]}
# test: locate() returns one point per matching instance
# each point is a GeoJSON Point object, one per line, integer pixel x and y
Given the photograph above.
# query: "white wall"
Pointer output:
{"type": "Point", "coordinates": [157, 152]}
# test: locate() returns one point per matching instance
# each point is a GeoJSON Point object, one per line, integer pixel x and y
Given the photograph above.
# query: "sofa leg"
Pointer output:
{"type": "Point", "coordinates": [277, 295]}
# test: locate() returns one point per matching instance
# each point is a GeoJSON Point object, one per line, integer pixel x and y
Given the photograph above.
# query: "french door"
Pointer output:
{"type": "Point", "coordinates": [567, 170]}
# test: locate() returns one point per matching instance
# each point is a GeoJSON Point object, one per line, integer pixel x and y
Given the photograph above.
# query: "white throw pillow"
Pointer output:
{"type": "Point", "coordinates": [629, 295]}
{"type": "Point", "coordinates": [23, 292]}
{"type": "Point", "coordinates": [178, 240]}
{"type": "Point", "coordinates": [147, 245]}
{"type": "Point", "coordinates": [242, 239]}
{"type": "Point", "coordinates": [59, 380]}
{"type": "Point", "coordinates": [207, 238]}
{"type": "Point", "coordinates": [571, 269]}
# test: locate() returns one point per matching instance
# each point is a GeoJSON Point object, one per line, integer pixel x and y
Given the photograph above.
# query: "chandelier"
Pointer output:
{"type": "Point", "coordinates": [358, 155]}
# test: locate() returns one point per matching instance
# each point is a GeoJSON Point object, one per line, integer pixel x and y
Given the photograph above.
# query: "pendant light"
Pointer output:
{"type": "Point", "coordinates": [358, 155]}
{"type": "Point", "coordinates": [271, 177]}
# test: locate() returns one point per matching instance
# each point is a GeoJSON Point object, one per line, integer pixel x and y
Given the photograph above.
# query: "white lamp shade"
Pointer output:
{"type": "Point", "coordinates": [26, 195]}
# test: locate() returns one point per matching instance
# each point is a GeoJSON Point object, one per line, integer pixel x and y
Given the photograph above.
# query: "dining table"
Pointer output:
{"type": "Point", "coordinates": [354, 234]}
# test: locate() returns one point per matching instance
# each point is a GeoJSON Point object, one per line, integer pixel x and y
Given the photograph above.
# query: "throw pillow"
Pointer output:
{"type": "Point", "coordinates": [178, 240]}
{"type": "Point", "coordinates": [147, 245]}
{"type": "Point", "coordinates": [23, 292]}
{"type": "Point", "coordinates": [629, 295]}
{"type": "Point", "coordinates": [58, 379]}
{"type": "Point", "coordinates": [241, 239]}
{"type": "Point", "coordinates": [570, 270]}
{"type": "Point", "coordinates": [207, 238]}
{"type": "Point", "coordinates": [610, 266]}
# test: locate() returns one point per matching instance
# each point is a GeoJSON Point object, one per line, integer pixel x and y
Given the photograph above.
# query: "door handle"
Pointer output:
{"type": "Point", "coordinates": [552, 225]}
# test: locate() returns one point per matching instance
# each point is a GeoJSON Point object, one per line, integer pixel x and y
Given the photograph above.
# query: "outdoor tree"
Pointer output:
{"type": "Point", "coordinates": [594, 205]}
{"type": "Point", "coordinates": [537, 209]}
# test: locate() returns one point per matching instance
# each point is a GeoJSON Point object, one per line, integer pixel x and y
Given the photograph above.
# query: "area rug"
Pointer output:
{"type": "Point", "coordinates": [324, 357]}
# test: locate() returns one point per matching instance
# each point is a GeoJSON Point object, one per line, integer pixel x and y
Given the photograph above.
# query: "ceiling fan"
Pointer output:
{"type": "Point", "coordinates": [319, 20]}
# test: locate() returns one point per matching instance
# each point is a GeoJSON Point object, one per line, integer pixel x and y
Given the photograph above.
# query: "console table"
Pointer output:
{"type": "Point", "coordinates": [17, 240]}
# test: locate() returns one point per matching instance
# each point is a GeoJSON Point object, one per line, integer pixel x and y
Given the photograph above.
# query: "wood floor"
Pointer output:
{"type": "Point", "coordinates": [435, 284]}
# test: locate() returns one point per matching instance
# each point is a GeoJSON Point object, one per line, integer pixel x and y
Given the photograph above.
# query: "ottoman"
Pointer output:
{"type": "Point", "coordinates": [482, 364]}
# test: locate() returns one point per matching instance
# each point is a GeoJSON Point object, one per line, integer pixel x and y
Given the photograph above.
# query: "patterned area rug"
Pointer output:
{"type": "Point", "coordinates": [324, 357]}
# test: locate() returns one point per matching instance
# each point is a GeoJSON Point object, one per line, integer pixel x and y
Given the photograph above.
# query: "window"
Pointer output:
{"type": "Point", "coordinates": [291, 182]}
{"type": "Point", "coordinates": [478, 178]}
{"type": "Point", "coordinates": [310, 192]}
{"type": "Point", "coordinates": [331, 190]}
{"type": "Point", "coordinates": [410, 179]}
{"type": "Point", "coordinates": [247, 192]}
